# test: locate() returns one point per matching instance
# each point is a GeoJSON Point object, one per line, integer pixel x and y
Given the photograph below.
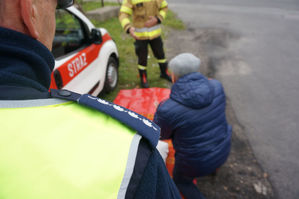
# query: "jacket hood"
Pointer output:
{"type": "Point", "coordinates": [192, 90]}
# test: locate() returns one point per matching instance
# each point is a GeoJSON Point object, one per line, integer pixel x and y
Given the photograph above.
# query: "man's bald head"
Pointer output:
{"type": "Point", "coordinates": [35, 18]}
{"type": "Point", "coordinates": [10, 15]}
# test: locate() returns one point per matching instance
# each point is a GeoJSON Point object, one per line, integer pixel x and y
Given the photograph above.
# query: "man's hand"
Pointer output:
{"type": "Point", "coordinates": [132, 32]}
{"type": "Point", "coordinates": [151, 21]}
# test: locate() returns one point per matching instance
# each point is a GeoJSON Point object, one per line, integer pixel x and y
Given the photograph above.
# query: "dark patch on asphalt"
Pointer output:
{"type": "Point", "coordinates": [212, 64]}
{"type": "Point", "coordinates": [241, 177]}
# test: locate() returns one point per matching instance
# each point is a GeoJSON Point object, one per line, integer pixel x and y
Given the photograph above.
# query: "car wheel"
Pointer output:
{"type": "Point", "coordinates": [111, 79]}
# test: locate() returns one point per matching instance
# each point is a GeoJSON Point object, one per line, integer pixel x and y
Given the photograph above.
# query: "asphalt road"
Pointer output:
{"type": "Point", "coordinates": [254, 50]}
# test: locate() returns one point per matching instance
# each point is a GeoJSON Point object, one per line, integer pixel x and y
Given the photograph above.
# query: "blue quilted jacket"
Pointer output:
{"type": "Point", "coordinates": [194, 117]}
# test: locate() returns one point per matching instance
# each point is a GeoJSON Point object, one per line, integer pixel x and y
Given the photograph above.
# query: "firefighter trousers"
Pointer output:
{"type": "Point", "coordinates": [141, 50]}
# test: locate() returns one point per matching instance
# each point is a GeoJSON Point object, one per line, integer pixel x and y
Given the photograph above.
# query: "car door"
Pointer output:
{"type": "Point", "coordinates": [77, 66]}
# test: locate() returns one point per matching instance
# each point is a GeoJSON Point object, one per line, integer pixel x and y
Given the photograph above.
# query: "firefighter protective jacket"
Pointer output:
{"type": "Point", "coordinates": [141, 10]}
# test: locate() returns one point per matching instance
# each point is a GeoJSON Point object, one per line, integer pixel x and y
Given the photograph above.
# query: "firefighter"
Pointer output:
{"type": "Point", "coordinates": [61, 144]}
{"type": "Point", "coordinates": [145, 28]}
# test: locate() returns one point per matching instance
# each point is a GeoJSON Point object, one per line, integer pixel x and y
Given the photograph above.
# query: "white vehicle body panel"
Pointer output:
{"type": "Point", "coordinates": [96, 71]}
{"type": "Point", "coordinates": [93, 76]}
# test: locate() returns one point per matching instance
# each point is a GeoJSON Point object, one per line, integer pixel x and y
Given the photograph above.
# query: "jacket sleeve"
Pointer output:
{"type": "Point", "coordinates": [162, 10]}
{"type": "Point", "coordinates": [156, 182]}
{"type": "Point", "coordinates": [162, 122]}
{"type": "Point", "coordinates": [150, 178]}
{"type": "Point", "coordinates": [125, 13]}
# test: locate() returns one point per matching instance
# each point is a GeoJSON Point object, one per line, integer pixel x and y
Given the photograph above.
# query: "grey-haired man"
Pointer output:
{"type": "Point", "coordinates": [194, 118]}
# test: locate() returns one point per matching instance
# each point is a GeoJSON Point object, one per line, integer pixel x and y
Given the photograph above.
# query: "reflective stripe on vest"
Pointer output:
{"type": "Point", "coordinates": [164, 4]}
{"type": "Point", "coordinates": [126, 9]}
{"type": "Point", "coordinates": [125, 22]}
{"type": "Point", "coordinates": [64, 151]}
{"type": "Point", "coordinates": [148, 33]}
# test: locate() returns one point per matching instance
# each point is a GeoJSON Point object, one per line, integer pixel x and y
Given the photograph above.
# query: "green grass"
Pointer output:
{"type": "Point", "coordinates": [91, 5]}
{"type": "Point", "coordinates": [172, 21]}
{"type": "Point", "coordinates": [128, 72]}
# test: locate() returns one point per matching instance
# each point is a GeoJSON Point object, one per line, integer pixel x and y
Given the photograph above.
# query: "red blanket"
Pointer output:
{"type": "Point", "coordinates": [145, 102]}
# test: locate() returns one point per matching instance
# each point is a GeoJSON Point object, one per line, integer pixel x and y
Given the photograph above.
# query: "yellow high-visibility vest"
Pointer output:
{"type": "Point", "coordinates": [55, 149]}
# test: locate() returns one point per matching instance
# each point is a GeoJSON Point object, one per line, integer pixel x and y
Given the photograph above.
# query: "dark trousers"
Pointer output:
{"type": "Point", "coordinates": [141, 50]}
{"type": "Point", "coordinates": [186, 186]}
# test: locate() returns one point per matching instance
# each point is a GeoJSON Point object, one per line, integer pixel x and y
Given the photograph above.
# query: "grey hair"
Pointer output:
{"type": "Point", "coordinates": [184, 64]}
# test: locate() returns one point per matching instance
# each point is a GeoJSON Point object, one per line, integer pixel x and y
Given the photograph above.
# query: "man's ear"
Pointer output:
{"type": "Point", "coordinates": [29, 16]}
{"type": "Point", "coordinates": [173, 78]}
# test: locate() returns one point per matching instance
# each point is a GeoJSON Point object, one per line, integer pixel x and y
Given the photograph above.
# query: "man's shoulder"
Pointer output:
{"type": "Point", "coordinates": [215, 83]}
{"type": "Point", "coordinates": [218, 87]}
{"type": "Point", "coordinates": [168, 106]}
{"type": "Point", "coordinates": [155, 181]}
{"type": "Point", "coordinates": [142, 125]}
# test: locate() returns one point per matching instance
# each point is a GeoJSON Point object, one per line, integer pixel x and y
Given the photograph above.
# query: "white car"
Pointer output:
{"type": "Point", "coordinates": [86, 58]}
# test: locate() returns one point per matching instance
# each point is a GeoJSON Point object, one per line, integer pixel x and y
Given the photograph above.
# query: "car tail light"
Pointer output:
{"type": "Point", "coordinates": [58, 79]}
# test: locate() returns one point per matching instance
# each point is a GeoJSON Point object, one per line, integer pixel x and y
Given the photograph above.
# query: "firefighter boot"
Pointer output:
{"type": "Point", "coordinates": [164, 73]}
{"type": "Point", "coordinates": [143, 78]}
